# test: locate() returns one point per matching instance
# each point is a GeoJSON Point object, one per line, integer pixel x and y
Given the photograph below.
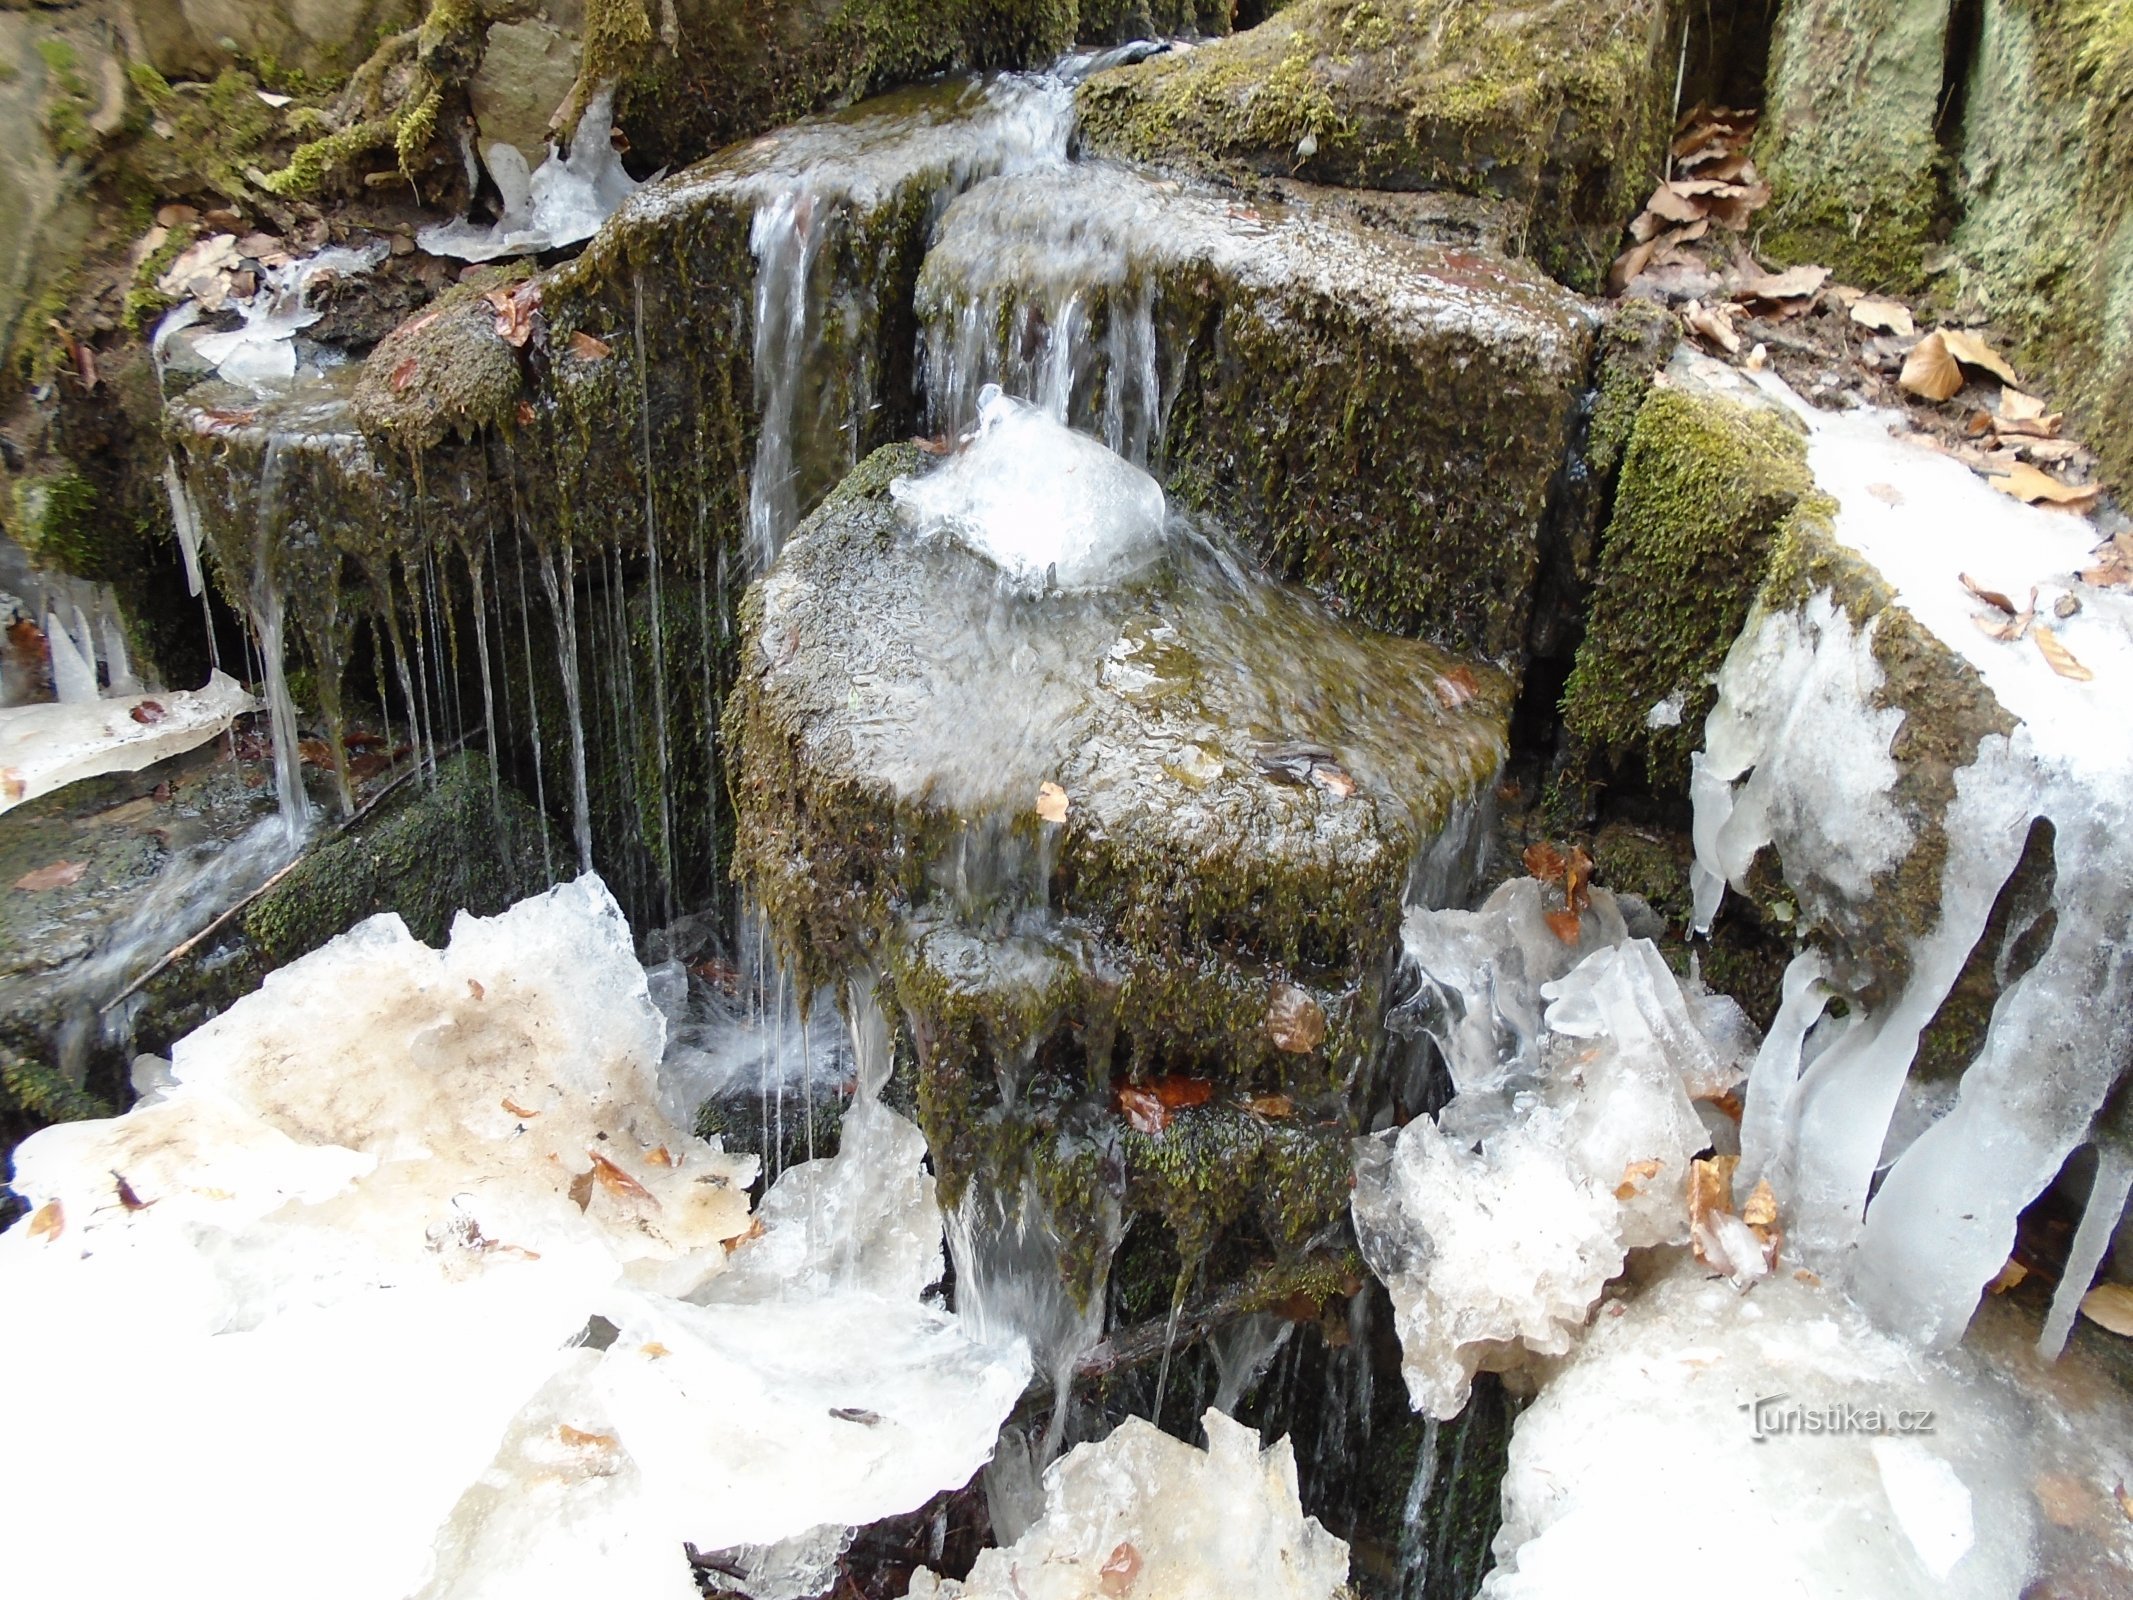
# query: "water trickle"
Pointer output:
{"type": "Point", "coordinates": [563, 606]}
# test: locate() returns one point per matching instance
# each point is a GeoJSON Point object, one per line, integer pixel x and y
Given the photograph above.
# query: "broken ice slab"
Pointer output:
{"type": "Point", "coordinates": [1141, 1513]}
{"type": "Point", "coordinates": [431, 1173]}
{"type": "Point", "coordinates": [1944, 734]}
{"type": "Point", "coordinates": [561, 202]}
{"type": "Point", "coordinates": [1781, 1438]}
{"type": "Point", "coordinates": [45, 747]}
{"type": "Point", "coordinates": [1377, 407]}
{"type": "Point", "coordinates": [1496, 1224]}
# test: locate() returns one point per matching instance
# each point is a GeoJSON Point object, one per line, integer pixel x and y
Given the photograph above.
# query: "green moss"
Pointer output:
{"type": "Point", "coordinates": [32, 1094]}
{"type": "Point", "coordinates": [1706, 484]}
{"type": "Point", "coordinates": [144, 301]}
{"type": "Point", "coordinates": [1635, 341]}
{"type": "Point", "coordinates": [444, 371]}
{"type": "Point", "coordinates": [55, 519]}
{"type": "Point", "coordinates": [312, 166]}
{"type": "Point", "coordinates": [1560, 111]}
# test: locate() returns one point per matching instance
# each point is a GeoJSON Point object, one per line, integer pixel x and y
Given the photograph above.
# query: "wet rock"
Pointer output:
{"type": "Point", "coordinates": [1381, 416]}
{"type": "Point", "coordinates": [1560, 109]}
{"type": "Point", "coordinates": [526, 73]}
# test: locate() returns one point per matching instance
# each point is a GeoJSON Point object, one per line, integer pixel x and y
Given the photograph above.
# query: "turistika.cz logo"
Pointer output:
{"type": "Point", "coordinates": [1776, 1415]}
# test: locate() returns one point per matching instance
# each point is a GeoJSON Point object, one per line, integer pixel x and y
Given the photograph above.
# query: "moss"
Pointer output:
{"type": "Point", "coordinates": [313, 165]}
{"type": "Point", "coordinates": [144, 301]}
{"type": "Point", "coordinates": [444, 371]}
{"type": "Point", "coordinates": [218, 132]}
{"type": "Point", "coordinates": [1706, 485]}
{"type": "Point", "coordinates": [33, 1095]}
{"type": "Point", "coordinates": [1561, 110]}
{"type": "Point", "coordinates": [1635, 341]}
{"type": "Point", "coordinates": [55, 520]}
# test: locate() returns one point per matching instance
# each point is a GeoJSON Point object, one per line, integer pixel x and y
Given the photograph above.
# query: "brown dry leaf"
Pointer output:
{"type": "Point", "coordinates": [1884, 316]}
{"type": "Point", "coordinates": [1294, 1021]}
{"type": "Point", "coordinates": [1633, 261]}
{"type": "Point", "coordinates": [1332, 778]}
{"type": "Point", "coordinates": [1180, 1093]}
{"type": "Point", "coordinates": [1760, 1210]}
{"type": "Point", "coordinates": [1634, 1177]}
{"type": "Point", "coordinates": [1566, 925]}
{"type": "Point", "coordinates": [514, 305]}
{"type": "Point", "coordinates": [475, 989]}
{"type": "Point", "coordinates": [2060, 659]}
{"type": "Point", "coordinates": [1714, 324]}
{"type": "Point", "coordinates": [48, 1221]}
{"type": "Point", "coordinates": [403, 373]}
{"type": "Point", "coordinates": [148, 713]}
{"type": "Point", "coordinates": [1143, 1110]}
{"type": "Point", "coordinates": [1119, 1570]}
{"type": "Point", "coordinates": [1710, 1194]}
{"type": "Point", "coordinates": [1972, 351]}
{"type": "Point", "coordinates": [1991, 597]}
{"type": "Point", "coordinates": [1930, 371]}
{"type": "Point", "coordinates": [525, 413]}
{"type": "Point", "coordinates": [1794, 283]}
{"type": "Point", "coordinates": [2110, 1305]}
{"type": "Point", "coordinates": [654, 1350]}
{"type": "Point", "coordinates": [1577, 879]}
{"type": "Point", "coordinates": [1543, 861]}
{"type": "Point", "coordinates": [1757, 359]}
{"type": "Point", "coordinates": [756, 1230]}
{"type": "Point", "coordinates": [314, 752]}
{"type": "Point", "coordinates": [580, 1439]}
{"type": "Point", "coordinates": [581, 1189]}
{"type": "Point", "coordinates": [1051, 802]}
{"type": "Point", "coordinates": [2015, 406]}
{"type": "Point", "coordinates": [2113, 568]}
{"type": "Point", "coordinates": [2036, 486]}
{"type": "Point", "coordinates": [516, 1109]}
{"type": "Point", "coordinates": [660, 1156]}
{"type": "Point", "coordinates": [59, 875]}
{"type": "Point", "coordinates": [617, 1182]}
{"type": "Point", "coordinates": [13, 785]}
{"type": "Point", "coordinates": [2008, 1277]}
{"type": "Point", "coordinates": [586, 348]}
{"type": "Point", "coordinates": [1456, 687]}
{"type": "Point", "coordinates": [2052, 452]}
{"type": "Point", "coordinates": [1274, 1107]}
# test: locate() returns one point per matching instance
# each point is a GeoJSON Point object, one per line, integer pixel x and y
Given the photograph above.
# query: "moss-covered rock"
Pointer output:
{"type": "Point", "coordinates": [1849, 139]}
{"type": "Point", "coordinates": [447, 370]}
{"type": "Point", "coordinates": [1561, 109]}
{"type": "Point", "coordinates": [1381, 416]}
{"type": "Point", "coordinates": [1711, 474]}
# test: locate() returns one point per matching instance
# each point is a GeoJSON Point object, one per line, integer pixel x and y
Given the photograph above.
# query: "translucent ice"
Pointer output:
{"type": "Point", "coordinates": [562, 201]}
{"type": "Point", "coordinates": [1141, 1513]}
{"type": "Point", "coordinates": [1497, 1224]}
{"type": "Point", "coordinates": [47, 746]}
{"type": "Point", "coordinates": [259, 354]}
{"type": "Point", "coordinates": [1047, 505]}
{"type": "Point", "coordinates": [432, 1175]}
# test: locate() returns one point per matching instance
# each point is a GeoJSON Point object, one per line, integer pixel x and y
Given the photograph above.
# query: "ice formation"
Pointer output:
{"type": "Point", "coordinates": [1143, 1514]}
{"type": "Point", "coordinates": [410, 1239]}
{"type": "Point", "coordinates": [260, 353]}
{"type": "Point", "coordinates": [1497, 1223]}
{"type": "Point", "coordinates": [1048, 506]}
{"type": "Point", "coordinates": [1796, 716]}
{"type": "Point", "coordinates": [562, 201]}
{"type": "Point", "coordinates": [1780, 1439]}
{"type": "Point", "coordinates": [47, 746]}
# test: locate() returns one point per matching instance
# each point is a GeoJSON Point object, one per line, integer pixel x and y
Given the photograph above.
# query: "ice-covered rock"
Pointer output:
{"type": "Point", "coordinates": [260, 353]}
{"type": "Point", "coordinates": [1899, 756]}
{"type": "Point", "coordinates": [1497, 1223]}
{"type": "Point", "coordinates": [1046, 505]}
{"type": "Point", "coordinates": [1143, 1514]}
{"type": "Point", "coordinates": [561, 202]}
{"type": "Point", "coordinates": [48, 746]}
{"type": "Point", "coordinates": [1779, 1445]}
{"type": "Point", "coordinates": [406, 1234]}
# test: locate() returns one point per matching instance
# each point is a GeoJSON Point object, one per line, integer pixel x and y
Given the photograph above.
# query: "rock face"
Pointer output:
{"type": "Point", "coordinates": [1558, 109]}
{"type": "Point", "coordinates": [1158, 829]}
{"type": "Point", "coordinates": [1381, 415]}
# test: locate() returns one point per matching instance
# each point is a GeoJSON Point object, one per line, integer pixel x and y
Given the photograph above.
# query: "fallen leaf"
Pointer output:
{"type": "Point", "coordinates": [1456, 687]}
{"type": "Point", "coordinates": [1757, 358]}
{"type": "Point", "coordinates": [314, 752]}
{"type": "Point", "coordinates": [1930, 371]}
{"type": "Point", "coordinates": [756, 1230]}
{"type": "Point", "coordinates": [148, 713]}
{"type": "Point", "coordinates": [2113, 568]}
{"type": "Point", "coordinates": [1565, 924]}
{"type": "Point", "coordinates": [514, 305]}
{"type": "Point", "coordinates": [2015, 406]}
{"type": "Point", "coordinates": [1885, 316]}
{"type": "Point", "coordinates": [1543, 861]}
{"type": "Point", "coordinates": [1634, 1177]}
{"type": "Point", "coordinates": [1051, 802]}
{"type": "Point", "coordinates": [617, 1182]}
{"type": "Point", "coordinates": [1710, 1195]}
{"type": "Point", "coordinates": [525, 413]}
{"type": "Point", "coordinates": [514, 1107]}
{"type": "Point", "coordinates": [586, 348]}
{"type": "Point", "coordinates": [1760, 1210]}
{"type": "Point", "coordinates": [277, 101]}
{"type": "Point", "coordinates": [1143, 1110]}
{"type": "Point", "coordinates": [1294, 1021]}
{"type": "Point", "coordinates": [2034, 485]}
{"type": "Point", "coordinates": [2008, 1277]}
{"type": "Point", "coordinates": [654, 1350]}
{"type": "Point", "coordinates": [1332, 778]}
{"type": "Point", "coordinates": [1794, 283]}
{"type": "Point", "coordinates": [580, 1439]}
{"type": "Point", "coordinates": [1972, 351]}
{"type": "Point", "coordinates": [2110, 1305]}
{"type": "Point", "coordinates": [660, 1156]}
{"type": "Point", "coordinates": [1119, 1570]}
{"type": "Point", "coordinates": [13, 785]}
{"type": "Point", "coordinates": [2058, 656]}
{"type": "Point", "coordinates": [1714, 324]}
{"type": "Point", "coordinates": [403, 373]}
{"type": "Point", "coordinates": [126, 1196]}
{"type": "Point", "coordinates": [934, 446]}
{"type": "Point", "coordinates": [1274, 1107]}
{"type": "Point", "coordinates": [1991, 597]}
{"type": "Point", "coordinates": [48, 1221]}
{"type": "Point", "coordinates": [581, 1189]}
{"type": "Point", "coordinates": [59, 875]}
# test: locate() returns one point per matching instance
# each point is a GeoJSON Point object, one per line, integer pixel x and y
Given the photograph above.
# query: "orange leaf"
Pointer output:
{"type": "Point", "coordinates": [1563, 924]}
{"type": "Point", "coordinates": [579, 1438]}
{"type": "Point", "coordinates": [1634, 1177]}
{"type": "Point", "coordinates": [1456, 687]}
{"type": "Point", "coordinates": [48, 1221]}
{"type": "Point", "coordinates": [1116, 1575]}
{"type": "Point", "coordinates": [1543, 861]}
{"type": "Point", "coordinates": [1179, 1093]}
{"type": "Point", "coordinates": [148, 713]}
{"type": "Point", "coordinates": [1144, 1110]}
{"type": "Point", "coordinates": [1274, 1107]}
{"type": "Point", "coordinates": [617, 1182]}
{"type": "Point", "coordinates": [516, 1109]}
{"type": "Point", "coordinates": [1294, 1021]}
{"type": "Point", "coordinates": [756, 1230]}
{"type": "Point", "coordinates": [2061, 659]}
{"type": "Point", "coordinates": [586, 348]}
{"type": "Point", "coordinates": [403, 373]}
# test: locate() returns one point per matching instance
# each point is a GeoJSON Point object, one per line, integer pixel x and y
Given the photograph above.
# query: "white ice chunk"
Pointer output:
{"type": "Point", "coordinates": [1047, 505]}
{"type": "Point", "coordinates": [45, 747]}
{"type": "Point", "coordinates": [73, 663]}
{"type": "Point", "coordinates": [561, 202]}
{"type": "Point", "coordinates": [1699, 1431]}
{"type": "Point", "coordinates": [259, 353]}
{"type": "Point", "coordinates": [1141, 1513]}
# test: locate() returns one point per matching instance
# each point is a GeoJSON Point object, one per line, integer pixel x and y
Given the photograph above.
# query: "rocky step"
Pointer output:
{"type": "Point", "coordinates": [1365, 386]}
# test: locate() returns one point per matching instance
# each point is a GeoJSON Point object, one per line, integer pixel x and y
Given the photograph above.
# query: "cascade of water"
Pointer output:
{"type": "Point", "coordinates": [563, 606]}
{"type": "Point", "coordinates": [1414, 1529]}
{"type": "Point", "coordinates": [476, 561]}
{"type": "Point", "coordinates": [1243, 1350]}
{"type": "Point", "coordinates": [533, 697]}
{"type": "Point", "coordinates": [784, 239]}
{"type": "Point", "coordinates": [266, 606]}
{"type": "Point", "coordinates": [658, 630]}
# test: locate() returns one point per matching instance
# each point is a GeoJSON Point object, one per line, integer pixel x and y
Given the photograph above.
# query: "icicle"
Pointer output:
{"type": "Point", "coordinates": [73, 671]}
{"type": "Point", "coordinates": [118, 666]}
{"type": "Point", "coordinates": [2099, 1220]}
{"type": "Point", "coordinates": [563, 605]}
{"type": "Point", "coordinates": [659, 637]}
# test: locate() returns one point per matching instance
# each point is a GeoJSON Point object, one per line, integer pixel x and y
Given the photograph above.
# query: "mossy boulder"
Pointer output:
{"type": "Point", "coordinates": [1559, 109]}
{"type": "Point", "coordinates": [1849, 138]}
{"type": "Point", "coordinates": [1711, 473]}
{"type": "Point", "coordinates": [1380, 415]}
